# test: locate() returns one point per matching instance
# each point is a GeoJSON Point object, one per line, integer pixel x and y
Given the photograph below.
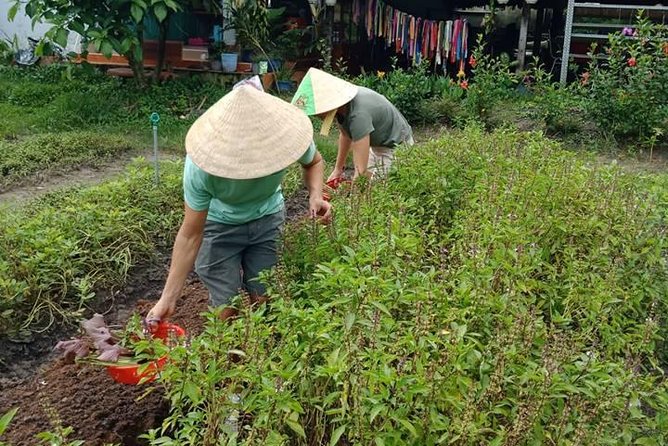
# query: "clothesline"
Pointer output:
{"type": "Point", "coordinates": [441, 41]}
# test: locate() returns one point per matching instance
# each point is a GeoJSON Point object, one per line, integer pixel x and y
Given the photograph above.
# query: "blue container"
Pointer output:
{"type": "Point", "coordinates": [273, 65]}
{"type": "Point", "coordinates": [217, 33]}
{"type": "Point", "coordinates": [229, 62]}
{"type": "Point", "coordinates": [285, 86]}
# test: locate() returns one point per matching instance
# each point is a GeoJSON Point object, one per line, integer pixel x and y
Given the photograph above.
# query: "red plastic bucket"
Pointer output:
{"type": "Point", "coordinates": [129, 374]}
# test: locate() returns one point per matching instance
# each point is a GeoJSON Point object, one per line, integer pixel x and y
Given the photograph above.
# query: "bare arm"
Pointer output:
{"type": "Point", "coordinates": [342, 154]}
{"type": "Point", "coordinates": [360, 149]}
{"type": "Point", "coordinates": [313, 176]}
{"type": "Point", "coordinates": [186, 247]}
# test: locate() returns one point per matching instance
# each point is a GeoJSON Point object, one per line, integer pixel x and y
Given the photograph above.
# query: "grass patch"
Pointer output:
{"type": "Point", "coordinates": [23, 157]}
{"type": "Point", "coordinates": [497, 290]}
{"type": "Point", "coordinates": [39, 103]}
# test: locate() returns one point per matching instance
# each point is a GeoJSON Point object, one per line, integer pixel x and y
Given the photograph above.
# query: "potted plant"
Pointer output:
{"type": "Point", "coordinates": [250, 21]}
{"type": "Point", "coordinates": [229, 60]}
{"type": "Point", "coordinates": [215, 52]}
{"type": "Point", "coordinates": [284, 82]}
{"type": "Point", "coordinates": [260, 64]}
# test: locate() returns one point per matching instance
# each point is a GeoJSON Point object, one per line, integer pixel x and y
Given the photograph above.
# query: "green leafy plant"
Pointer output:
{"type": "Point", "coordinates": [59, 437]}
{"type": "Point", "coordinates": [93, 235]}
{"type": "Point", "coordinates": [250, 20]}
{"type": "Point", "coordinates": [111, 26]}
{"type": "Point", "coordinates": [559, 108]}
{"type": "Point", "coordinates": [5, 420]}
{"type": "Point", "coordinates": [406, 89]}
{"type": "Point", "coordinates": [6, 51]}
{"type": "Point", "coordinates": [289, 44]}
{"type": "Point", "coordinates": [495, 290]}
{"type": "Point", "coordinates": [627, 93]}
{"type": "Point", "coordinates": [493, 81]}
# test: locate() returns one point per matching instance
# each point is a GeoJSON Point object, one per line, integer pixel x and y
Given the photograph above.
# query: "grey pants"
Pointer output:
{"type": "Point", "coordinates": [232, 256]}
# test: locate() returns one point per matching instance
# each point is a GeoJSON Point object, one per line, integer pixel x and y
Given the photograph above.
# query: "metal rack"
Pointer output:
{"type": "Point", "coordinates": [569, 34]}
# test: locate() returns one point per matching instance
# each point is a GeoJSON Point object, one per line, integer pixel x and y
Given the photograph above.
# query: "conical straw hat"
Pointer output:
{"type": "Point", "coordinates": [320, 92]}
{"type": "Point", "coordinates": [248, 134]}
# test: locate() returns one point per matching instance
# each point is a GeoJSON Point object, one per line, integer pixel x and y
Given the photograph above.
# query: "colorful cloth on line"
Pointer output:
{"type": "Point", "coordinates": [418, 38]}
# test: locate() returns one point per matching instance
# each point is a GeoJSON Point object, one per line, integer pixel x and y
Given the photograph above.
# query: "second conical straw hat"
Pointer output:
{"type": "Point", "coordinates": [248, 134]}
{"type": "Point", "coordinates": [320, 92]}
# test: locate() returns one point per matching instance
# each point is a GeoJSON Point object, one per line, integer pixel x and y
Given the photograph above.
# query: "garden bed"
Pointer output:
{"type": "Point", "coordinates": [86, 398]}
{"type": "Point", "coordinates": [52, 395]}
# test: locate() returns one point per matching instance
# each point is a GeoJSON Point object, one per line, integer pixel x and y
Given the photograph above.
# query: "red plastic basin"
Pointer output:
{"type": "Point", "coordinates": [129, 374]}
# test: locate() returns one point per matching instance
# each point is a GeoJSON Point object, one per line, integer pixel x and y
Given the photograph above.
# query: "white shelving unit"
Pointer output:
{"type": "Point", "coordinates": [570, 24]}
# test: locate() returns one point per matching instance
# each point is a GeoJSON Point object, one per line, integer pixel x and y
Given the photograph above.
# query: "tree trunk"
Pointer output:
{"type": "Point", "coordinates": [137, 67]}
{"type": "Point", "coordinates": [162, 39]}
{"type": "Point", "coordinates": [137, 64]}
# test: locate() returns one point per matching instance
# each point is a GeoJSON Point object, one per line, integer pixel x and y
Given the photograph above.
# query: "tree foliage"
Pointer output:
{"type": "Point", "coordinates": [110, 25]}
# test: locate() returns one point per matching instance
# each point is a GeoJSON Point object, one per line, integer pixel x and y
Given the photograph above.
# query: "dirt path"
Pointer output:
{"type": "Point", "coordinates": [83, 175]}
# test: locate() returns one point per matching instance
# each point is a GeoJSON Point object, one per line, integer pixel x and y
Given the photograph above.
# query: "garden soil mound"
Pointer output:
{"type": "Point", "coordinates": [86, 398]}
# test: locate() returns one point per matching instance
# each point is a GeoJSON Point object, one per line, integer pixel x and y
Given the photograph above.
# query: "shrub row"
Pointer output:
{"type": "Point", "coordinates": [624, 95]}
{"type": "Point", "coordinates": [496, 290]}
{"type": "Point", "coordinates": [59, 250]}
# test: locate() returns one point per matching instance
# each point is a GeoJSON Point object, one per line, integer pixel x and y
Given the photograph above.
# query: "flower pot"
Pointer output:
{"type": "Point", "coordinates": [229, 62]}
{"type": "Point", "coordinates": [268, 80]}
{"type": "Point", "coordinates": [284, 86]}
{"type": "Point", "coordinates": [273, 65]}
{"type": "Point", "coordinates": [131, 374]}
{"type": "Point", "coordinates": [260, 67]}
{"type": "Point", "coordinates": [244, 67]}
{"type": "Point", "coordinates": [216, 65]}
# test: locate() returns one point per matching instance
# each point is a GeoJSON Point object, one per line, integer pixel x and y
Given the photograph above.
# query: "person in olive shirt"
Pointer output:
{"type": "Point", "coordinates": [237, 153]}
{"type": "Point", "coordinates": [370, 125]}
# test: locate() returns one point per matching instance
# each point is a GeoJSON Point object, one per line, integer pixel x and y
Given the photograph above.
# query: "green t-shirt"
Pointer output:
{"type": "Point", "coordinates": [235, 202]}
{"type": "Point", "coordinates": [370, 113]}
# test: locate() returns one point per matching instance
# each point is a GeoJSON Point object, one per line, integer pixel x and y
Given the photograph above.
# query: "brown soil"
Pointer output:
{"type": "Point", "coordinates": [51, 394]}
{"type": "Point", "coordinates": [85, 397]}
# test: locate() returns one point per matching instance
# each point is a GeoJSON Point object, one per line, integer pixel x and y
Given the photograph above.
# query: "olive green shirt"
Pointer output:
{"type": "Point", "coordinates": [370, 113]}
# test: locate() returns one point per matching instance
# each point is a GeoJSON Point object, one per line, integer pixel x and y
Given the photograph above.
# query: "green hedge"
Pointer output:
{"type": "Point", "coordinates": [497, 290]}
{"type": "Point", "coordinates": [56, 252]}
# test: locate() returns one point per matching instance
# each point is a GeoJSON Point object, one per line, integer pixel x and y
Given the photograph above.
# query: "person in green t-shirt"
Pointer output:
{"type": "Point", "coordinates": [237, 153]}
{"type": "Point", "coordinates": [370, 126]}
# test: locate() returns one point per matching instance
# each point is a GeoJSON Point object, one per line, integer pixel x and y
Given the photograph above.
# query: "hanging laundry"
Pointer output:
{"type": "Point", "coordinates": [444, 42]}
